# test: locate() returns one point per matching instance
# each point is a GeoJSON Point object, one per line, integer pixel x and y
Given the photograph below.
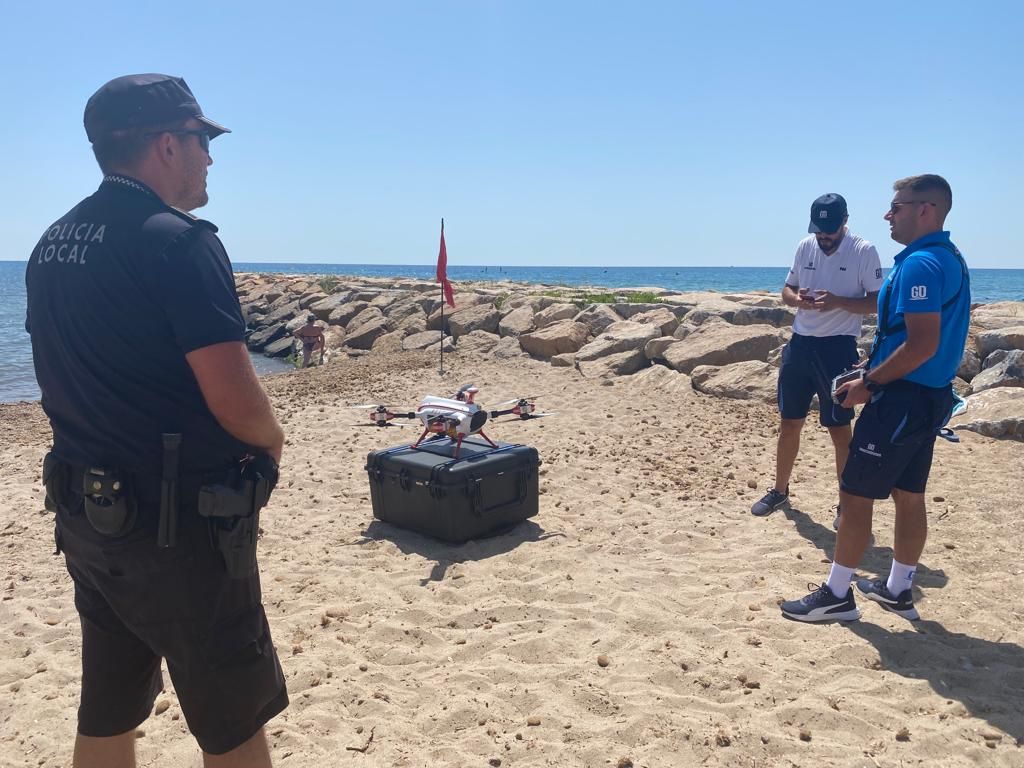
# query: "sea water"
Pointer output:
{"type": "Point", "coordinates": [17, 378]}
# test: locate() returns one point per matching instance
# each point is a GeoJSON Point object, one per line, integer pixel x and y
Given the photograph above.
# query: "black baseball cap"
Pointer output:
{"type": "Point", "coordinates": [827, 214]}
{"type": "Point", "coordinates": [134, 101]}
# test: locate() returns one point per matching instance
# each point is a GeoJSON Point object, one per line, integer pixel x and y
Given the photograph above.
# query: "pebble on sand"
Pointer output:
{"type": "Point", "coordinates": [603, 661]}
{"type": "Point", "coordinates": [161, 706]}
{"type": "Point", "coordinates": [533, 720]}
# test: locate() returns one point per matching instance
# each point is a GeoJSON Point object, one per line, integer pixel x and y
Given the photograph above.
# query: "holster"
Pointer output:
{"type": "Point", "coordinates": [232, 508]}
{"type": "Point", "coordinates": [105, 495]}
{"type": "Point", "coordinates": [56, 477]}
{"type": "Point", "coordinates": [109, 504]}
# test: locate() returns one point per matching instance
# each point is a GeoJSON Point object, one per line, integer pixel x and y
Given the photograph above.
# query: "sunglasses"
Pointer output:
{"type": "Point", "coordinates": [895, 207]}
{"type": "Point", "coordinates": [204, 136]}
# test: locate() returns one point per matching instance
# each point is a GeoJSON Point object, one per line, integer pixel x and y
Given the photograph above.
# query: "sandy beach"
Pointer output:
{"type": "Point", "coordinates": [634, 621]}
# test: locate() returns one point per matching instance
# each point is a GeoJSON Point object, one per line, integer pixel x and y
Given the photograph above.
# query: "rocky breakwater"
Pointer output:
{"type": "Point", "coordinates": [726, 345]}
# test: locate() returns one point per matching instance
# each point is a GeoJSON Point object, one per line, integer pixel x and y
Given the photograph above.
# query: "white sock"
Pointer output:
{"type": "Point", "coordinates": [900, 577]}
{"type": "Point", "coordinates": [839, 579]}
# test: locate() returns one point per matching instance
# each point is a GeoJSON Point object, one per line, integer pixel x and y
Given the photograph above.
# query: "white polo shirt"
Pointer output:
{"type": "Point", "coordinates": [852, 272]}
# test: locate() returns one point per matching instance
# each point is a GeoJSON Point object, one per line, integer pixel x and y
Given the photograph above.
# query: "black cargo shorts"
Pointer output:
{"type": "Point", "coordinates": [139, 603]}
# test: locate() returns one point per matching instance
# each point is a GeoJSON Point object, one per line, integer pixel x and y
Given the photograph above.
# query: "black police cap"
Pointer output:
{"type": "Point", "coordinates": [135, 101]}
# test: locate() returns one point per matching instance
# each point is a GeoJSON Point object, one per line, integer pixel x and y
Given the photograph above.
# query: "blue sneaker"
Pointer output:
{"type": "Point", "coordinates": [901, 604]}
{"type": "Point", "coordinates": [770, 502]}
{"type": "Point", "coordinates": [822, 605]}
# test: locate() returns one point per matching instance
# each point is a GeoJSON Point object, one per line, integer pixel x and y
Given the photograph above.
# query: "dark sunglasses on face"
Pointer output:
{"type": "Point", "coordinates": [204, 136]}
{"type": "Point", "coordinates": [895, 207]}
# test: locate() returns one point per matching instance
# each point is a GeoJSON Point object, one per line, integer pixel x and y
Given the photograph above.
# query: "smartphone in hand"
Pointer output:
{"type": "Point", "coordinates": [844, 378]}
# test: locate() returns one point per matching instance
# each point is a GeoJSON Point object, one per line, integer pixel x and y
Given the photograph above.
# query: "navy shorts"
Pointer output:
{"type": "Point", "coordinates": [894, 438]}
{"type": "Point", "coordinates": [139, 604]}
{"type": "Point", "coordinates": [809, 363]}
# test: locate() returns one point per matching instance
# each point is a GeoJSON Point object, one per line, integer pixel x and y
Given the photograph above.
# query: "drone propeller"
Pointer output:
{"type": "Point", "coordinates": [515, 400]}
{"type": "Point", "coordinates": [525, 416]}
{"type": "Point", "coordinates": [378, 424]}
{"type": "Point", "coordinates": [378, 406]}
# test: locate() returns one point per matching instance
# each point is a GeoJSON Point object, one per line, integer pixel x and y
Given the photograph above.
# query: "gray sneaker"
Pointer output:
{"type": "Point", "coordinates": [770, 502]}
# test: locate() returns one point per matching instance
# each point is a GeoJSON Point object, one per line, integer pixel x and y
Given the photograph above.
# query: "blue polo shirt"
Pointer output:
{"type": "Point", "coordinates": [925, 277]}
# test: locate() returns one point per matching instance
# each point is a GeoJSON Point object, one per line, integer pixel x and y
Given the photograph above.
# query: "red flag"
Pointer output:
{"type": "Point", "coordinates": [442, 270]}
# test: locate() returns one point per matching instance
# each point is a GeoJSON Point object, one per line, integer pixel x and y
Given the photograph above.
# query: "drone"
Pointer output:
{"type": "Point", "coordinates": [454, 417]}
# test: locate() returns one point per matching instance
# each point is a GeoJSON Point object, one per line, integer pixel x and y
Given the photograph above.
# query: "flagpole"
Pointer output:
{"type": "Point", "coordinates": [442, 308]}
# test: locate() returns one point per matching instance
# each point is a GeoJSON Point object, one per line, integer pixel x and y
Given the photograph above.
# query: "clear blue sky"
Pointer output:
{"type": "Point", "coordinates": [570, 133]}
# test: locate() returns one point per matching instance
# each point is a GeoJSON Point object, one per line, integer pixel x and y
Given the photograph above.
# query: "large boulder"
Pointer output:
{"type": "Point", "coordinates": [388, 342]}
{"type": "Point", "coordinates": [683, 302]}
{"type": "Point", "coordinates": [994, 413]}
{"type": "Point", "coordinates": [535, 303]}
{"type": "Point", "coordinates": [773, 314]}
{"type": "Point", "coordinates": [508, 348]}
{"type": "Point", "coordinates": [476, 342]}
{"type": "Point", "coordinates": [517, 322]}
{"type": "Point", "coordinates": [554, 313]}
{"type": "Point", "coordinates": [747, 380]}
{"type": "Point", "coordinates": [482, 317]}
{"type": "Point", "coordinates": [723, 344]}
{"type": "Point", "coordinates": [683, 330]}
{"type": "Point", "coordinates": [280, 348]}
{"type": "Point", "coordinates": [623, 336]}
{"type": "Point", "coordinates": [323, 308]}
{"type": "Point", "coordinates": [629, 310]}
{"type": "Point", "coordinates": [970, 365]}
{"type": "Point", "coordinates": [716, 308]}
{"type": "Point", "coordinates": [1002, 314]}
{"type": "Point", "coordinates": [415, 341]}
{"type": "Point", "coordinates": [403, 314]}
{"type": "Point", "coordinates": [1007, 373]}
{"type": "Point", "coordinates": [259, 339]}
{"type": "Point", "coordinates": [308, 299]}
{"type": "Point", "coordinates": [597, 317]}
{"type": "Point", "coordinates": [563, 336]}
{"type": "Point", "coordinates": [362, 335]}
{"type": "Point", "coordinates": [282, 314]}
{"type": "Point", "coordinates": [994, 359]}
{"type": "Point", "coordinates": [343, 314]}
{"type": "Point", "coordinates": [387, 300]}
{"type": "Point", "coordinates": [369, 314]}
{"type": "Point", "coordinates": [1008, 338]}
{"type": "Point", "coordinates": [616, 364]}
{"type": "Point", "coordinates": [334, 336]}
{"type": "Point", "coordinates": [655, 348]}
{"type": "Point", "coordinates": [463, 302]}
{"type": "Point", "coordinates": [661, 318]}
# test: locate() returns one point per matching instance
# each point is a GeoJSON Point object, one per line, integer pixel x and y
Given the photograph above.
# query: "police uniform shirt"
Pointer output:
{"type": "Point", "coordinates": [119, 290]}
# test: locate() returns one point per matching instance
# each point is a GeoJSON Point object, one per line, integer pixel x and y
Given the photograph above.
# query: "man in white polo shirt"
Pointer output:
{"type": "Point", "coordinates": [834, 281]}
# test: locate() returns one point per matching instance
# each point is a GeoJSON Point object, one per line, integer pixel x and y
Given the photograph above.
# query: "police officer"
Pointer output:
{"type": "Point", "coordinates": [164, 443]}
{"type": "Point", "coordinates": [923, 317]}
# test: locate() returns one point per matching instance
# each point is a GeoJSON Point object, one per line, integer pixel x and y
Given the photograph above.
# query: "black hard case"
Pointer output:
{"type": "Point", "coordinates": [478, 494]}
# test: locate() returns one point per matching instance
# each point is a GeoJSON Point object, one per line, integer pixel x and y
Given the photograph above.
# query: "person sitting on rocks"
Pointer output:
{"type": "Point", "coordinates": [312, 337]}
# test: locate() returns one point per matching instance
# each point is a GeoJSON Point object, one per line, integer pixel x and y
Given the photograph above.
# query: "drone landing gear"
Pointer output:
{"type": "Point", "coordinates": [458, 441]}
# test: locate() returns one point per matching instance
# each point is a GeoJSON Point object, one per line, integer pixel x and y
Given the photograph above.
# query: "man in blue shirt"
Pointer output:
{"type": "Point", "coordinates": [923, 315]}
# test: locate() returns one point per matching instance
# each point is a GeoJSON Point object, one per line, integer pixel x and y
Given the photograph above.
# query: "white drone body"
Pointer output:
{"type": "Point", "coordinates": [456, 418]}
